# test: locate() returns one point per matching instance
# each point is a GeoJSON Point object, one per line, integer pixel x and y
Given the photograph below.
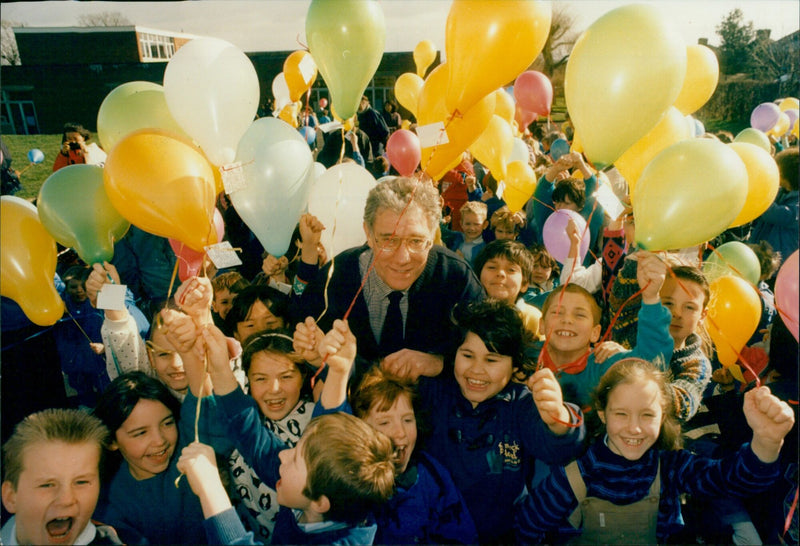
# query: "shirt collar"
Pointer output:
{"type": "Point", "coordinates": [8, 535]}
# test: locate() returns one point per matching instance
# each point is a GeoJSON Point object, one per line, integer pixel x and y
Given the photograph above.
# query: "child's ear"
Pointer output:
{"type": "Point", "coordinates": [597, 329]}
{"type": "Point", "coordinates": [113, 445]}
{"type": "Point", "coordinates": [322, 505]}
{"type": "Point", "coordinates": [9, 494]}
{"type": "Point", "coordinates": [703, 314]}
{"type": "Point", "coordinates": [485, 224]}
{"type": "Point", "coordinates": [602, 416]}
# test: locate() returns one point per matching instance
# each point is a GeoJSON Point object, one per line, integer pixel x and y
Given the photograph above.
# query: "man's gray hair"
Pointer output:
{"type": "Point", "coordinates": [394, 193]}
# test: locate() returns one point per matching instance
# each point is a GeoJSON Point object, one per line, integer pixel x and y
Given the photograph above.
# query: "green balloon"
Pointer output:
{"type": "Point", "coordinates": [754, 136]}
{"type": "Point", "coordinates": [733, 258]}
{"type": "Point", "coordinates": [74, 208]}
{"type": "Point", "coordinates": [133, 106]}
{"type": "Point", "coordinates": [346, 39]}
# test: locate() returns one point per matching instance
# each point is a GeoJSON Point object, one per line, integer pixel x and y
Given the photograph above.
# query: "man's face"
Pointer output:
{"type": "Point", "coordinates": [399, 267]}
{"type": "Point", "coordinates": [363, 105]}
{"type": "Point", "coordinates": [56, 493]}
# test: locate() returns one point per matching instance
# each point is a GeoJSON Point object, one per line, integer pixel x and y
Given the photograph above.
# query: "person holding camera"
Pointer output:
{"type": "Point", "coordinates": [74, 149]}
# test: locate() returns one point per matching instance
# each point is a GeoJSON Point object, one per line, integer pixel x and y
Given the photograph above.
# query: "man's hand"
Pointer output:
{"type": "Point", "coordinates": [412, 364]}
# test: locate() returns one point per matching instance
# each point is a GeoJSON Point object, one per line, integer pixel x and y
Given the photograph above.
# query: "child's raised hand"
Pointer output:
{"type": "Point", "coordinates": [310, 229]}
{"type": "Point", "coordinates": [338, 347]}
{"type": "Point", "coordinates": [307, 336]}
{"type": "Point", "coordinates": [180, 330]}
{"type": "Point", "coordinates": [771, 420]}
{"type": "Point", "coordinates": [650, 274]}
{"type": "Point", "coordinates": [194, 297]}
{"type": "Point", "coordinates": [98, 277]}
{"type": "Point", "coordinates": [199, 464]}
{"type": "Point", "coordinates": [549, 401]}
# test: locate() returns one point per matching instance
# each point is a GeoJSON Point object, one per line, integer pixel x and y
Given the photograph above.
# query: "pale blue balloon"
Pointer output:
{"type": "Point", "coordinates": [35, 155]}
{"type": "Point", "coordinates": [278, 171]}
{"type": "Point", "coordinates": [558, 148]}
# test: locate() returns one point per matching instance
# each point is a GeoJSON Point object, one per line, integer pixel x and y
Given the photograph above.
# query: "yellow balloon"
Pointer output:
{"type": "Point", "coordinates": [289, 114]}
{"type": "Point", "coordinates": [520, 184]}
{"type": "Point", "coordinates": [493, 147]}
{"type": "Point", "coordinates": [504, 106]}
{"type": "Point", "coordinates": [796, 129]}
{"type": "Point", "coordinates": [789, 103]}
{"type": "Point", "coordinates": [577, 144]}
{"type": "Point", "coordinates": [28, 262]}
{"type": "Point", "coordinates": [702, 75]}
{"type": "Point", "coordinates": [424, 55]}
{"type": "Point", "coordinates": [624, 72]}
{"type": "Point", "coordinates": [489, 43]}
{"type": "Point", "coordinates": [671, 129]}
{"type": "Point", "coordinates": [300, 72]}
{"type": "Point", "coordinates": [781, 127]}
{"type": "Point", "coordinates": [462, 130]}
{"type": "Point", "coordinates": [688, 194]}
{"type": "Point", "coordinates": [734, 310]}
{"type": "Point", "coordinates": [763, 181]}
{"type": "Point", "coordinates": [407, 89]}
{"type": "Point", "coordinates": [164, 186]}
{"type": "Point", "coordinates": [405, 124]}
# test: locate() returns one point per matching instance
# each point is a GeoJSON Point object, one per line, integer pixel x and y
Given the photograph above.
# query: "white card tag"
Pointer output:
{"type": "Point", "coordinates": [432, 135]}
{"type": "Point", "coordinates": [223, 255]}
{"type": "Point", "coordinates": [232, 177]}
{"type": "Point", "coordinates": [330, 126]}
{"type": "Point", "coordinates": [609, 201]}
{"type": "Point", "coordinates": [307, 68]}
{"type": "Point", "coordinates": [112, 297]}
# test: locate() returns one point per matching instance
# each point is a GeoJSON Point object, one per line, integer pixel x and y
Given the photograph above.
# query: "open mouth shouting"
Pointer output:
{"type": "Point", "coordinates": [58, 529]}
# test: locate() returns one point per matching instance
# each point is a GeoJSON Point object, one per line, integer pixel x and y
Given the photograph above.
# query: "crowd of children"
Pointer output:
{"type": "Point", "coordinates": [447, 382]}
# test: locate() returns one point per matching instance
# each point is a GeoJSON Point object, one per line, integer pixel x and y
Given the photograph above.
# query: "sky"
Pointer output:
{"type": "Point", "coordinates": [279, 25]}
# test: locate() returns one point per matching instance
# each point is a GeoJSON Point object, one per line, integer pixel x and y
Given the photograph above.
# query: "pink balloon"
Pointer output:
{"type": "Point", "coordinates": [403, 151]}
{"type": "Point", "coordinates": [787, 294]}
{"type": "Point", "coordinates": [556, 240]}
{"type": "Point", "coordinates": [523, 117]}
{"type": "Point", "coordinates": [534, 92]}
{"type": "Point", "coordinates": [190, 261]}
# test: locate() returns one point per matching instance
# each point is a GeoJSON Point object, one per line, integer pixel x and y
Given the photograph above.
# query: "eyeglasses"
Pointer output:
{"type": "Point", "coordinates": [414, 245]}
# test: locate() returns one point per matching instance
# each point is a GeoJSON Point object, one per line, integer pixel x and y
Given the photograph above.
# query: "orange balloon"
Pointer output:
{"type": "Point", "coordinates": [520, 184]}
{"type": "Point", "coordinates": [489, 43]}
{"type": "Point", "coordinates": [164, 186]}
{"type": "Point", "coordinates": [504, 105]}
{"type": "Point", "coordinates": [763, 181]}
{"type": "Point", "coordinates": [289, 114]}
{"type": "Point", "coordinates": [300, 72]}
{"type": "Point", "coordinates": [461, 130]}
{"type": "Point", "coordinates": [407, 89]}
{"type": "Point", "coordinates": [28, 262]}
{"type": "Point", "coordinates": [671, 129]}
{"type": "Point", "coordinates": [734, 311]}
{"type": "Point", "coordinates": [493, 147]}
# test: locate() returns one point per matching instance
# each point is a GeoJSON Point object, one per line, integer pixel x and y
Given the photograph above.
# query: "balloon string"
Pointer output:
{"type": "Point", "coordinates": [739, 356]}
{"type": "Point", "coordinates": [790, 515]}
{"type": "Point", "coordinates": [78, 325]}
{"type": "Point", "coordinates": [442, 131]}
{"type": "Point", "coordinates": [171, 283]}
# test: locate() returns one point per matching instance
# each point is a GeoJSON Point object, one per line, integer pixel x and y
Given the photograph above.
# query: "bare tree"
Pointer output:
{"type": "Point", "coordinates": [559, 43]}
{"type": "Point", "coordinates": [9, 54]}
{"type": "Point", "coordinates": [104, 19]}
{"type": "Point", "coordinates": [771, 62]}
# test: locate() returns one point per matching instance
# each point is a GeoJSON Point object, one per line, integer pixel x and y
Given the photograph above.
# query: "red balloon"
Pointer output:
{"type": "Point", "coordinates": [523, 117]}
{"type": "Point", "coordinates": [534, 92]}
{"type": "Point", "coordinates": [787, 293]}
{"type": "Point", "coordinates": [404, 151]}
{"type": "Point", "coordinates": [190, 261]}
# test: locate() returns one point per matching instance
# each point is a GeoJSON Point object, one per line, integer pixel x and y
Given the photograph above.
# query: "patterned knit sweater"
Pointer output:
{"type": "Point", "coordinates": [691, 372]}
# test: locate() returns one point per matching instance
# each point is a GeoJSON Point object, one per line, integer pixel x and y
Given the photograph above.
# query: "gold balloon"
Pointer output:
{"type": "Point", "coordinates": [493, 147]}
{"type": "Point", "coordinates": [702, 75]}
{"type": "Point", "coordinates": [734, 310]}
{"type": "Point", "coordinates": [504, 105]}
{"type": "Point", "coordinates": [520, 184]}
{"type": "Point", "coordinates": [763, 181]}
{"type": "Point", "coordinates": [624, 72]}
{"type": "Point", "coordinates": [424, 55]}
{"type": "Point", "coordinates": [489, 43]}
{"type": "Point", "coordinates": [407, 89]}
{"type": "Point", "coordinates": [300, 72]}
{"type": "Point", "coordinates": [28, 262]}
{"type": "Point", "coordinates": [789, 103]}
{"type": "Point", "coordinates": [671, 129]}
{"type": "Point", "coordinates": [781, 126]}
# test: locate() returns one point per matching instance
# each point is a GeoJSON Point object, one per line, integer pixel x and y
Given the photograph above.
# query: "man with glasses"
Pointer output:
{"type": "Point", "coordinates": [403, 312]}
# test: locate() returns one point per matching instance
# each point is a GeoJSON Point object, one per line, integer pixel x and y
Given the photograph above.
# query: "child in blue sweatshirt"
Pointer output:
{"type": "Point", "coordinates": [626, 488]}
{"type": "Point", "coordinates": [327, 485]}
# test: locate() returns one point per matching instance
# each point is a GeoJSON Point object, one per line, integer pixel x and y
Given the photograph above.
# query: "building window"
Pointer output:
{"type": "Point", "coordinates": [154, 47]}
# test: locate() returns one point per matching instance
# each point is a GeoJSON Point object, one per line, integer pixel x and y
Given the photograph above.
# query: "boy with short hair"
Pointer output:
{"type": "Point", "coordinates": [327, 485]}
{"type": "Point", "coordinates": [505, 268]}
{"type": "Point", "coordinates": [473, 222]}
{"type": "Point", "coordinates": [52, 480]}
{"type": "Point", "coordinates": [571, 324]}
{"type": "Point", "coordinates": [226, 286]}
{"type": "Point", "coordinates": [505, 225]}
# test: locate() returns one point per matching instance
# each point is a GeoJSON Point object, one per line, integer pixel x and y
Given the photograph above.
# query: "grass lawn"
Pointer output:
{"type": "Point", "coordinates": [33, 178]}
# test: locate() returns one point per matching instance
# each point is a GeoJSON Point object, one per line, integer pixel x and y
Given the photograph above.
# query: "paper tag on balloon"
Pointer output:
{"type": "Point", "coordinates": [223, 255]}
{"type": "Point", "coordinates": [432, 135]}
{"type": "Point", "coordinates": [609, 201]}
{"type": "Point", "coordinates": [330, 126]}
{"type": "Point", "coordinates": [232, 177]}
{"type": "Point", "coordinates": [112, 297]}
{"type": "Point", "coordinates": [307, 68]}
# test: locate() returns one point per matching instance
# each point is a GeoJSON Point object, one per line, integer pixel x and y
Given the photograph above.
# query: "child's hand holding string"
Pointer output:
{"type": "Point", "coordinates": [99, 276]}
{"type": "Point", "coordinates": [219, 362]}
{"type": "Point", "coordinates": [650, 274]}
{"type": "Point", "coordinates": [194, 297]}
{"type": "Point", "coordinates": [771, 420]}
{"type": "Point", "coordinates": [305, 340]}
{"type": "Point", "coordinates": [339, 350]}
{"type": "Point", "coordinates": [198, 463]}
{"type": "Point", "coordinates": [310, 235]}
{"type": "Point", "coordinates": [549, 401]}
{"type": "Point", "coordinates": [181, 331]}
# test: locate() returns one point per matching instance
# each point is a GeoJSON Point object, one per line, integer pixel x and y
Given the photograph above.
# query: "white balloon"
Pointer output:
{"type": "Point", "coordinates": [519, 151]}
{"type": "Point", "coordinates": [337, 200]}
{"type": "Point", "coordinates": [212, 91]}
{"type": "Point", "coordinates": [280, 90]}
